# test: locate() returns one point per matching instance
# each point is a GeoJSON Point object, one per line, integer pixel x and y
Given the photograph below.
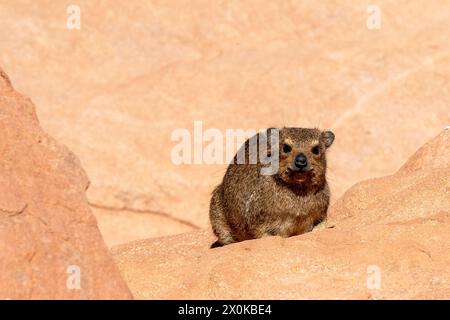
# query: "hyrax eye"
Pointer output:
{"type": "Point", "coordinates": [287, 148]}
{"type": "Point", "coordinates": [315, 150]}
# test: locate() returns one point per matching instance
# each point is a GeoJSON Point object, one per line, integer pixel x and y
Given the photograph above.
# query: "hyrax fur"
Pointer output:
{"type": "Point", "coordinates": [249, 205]}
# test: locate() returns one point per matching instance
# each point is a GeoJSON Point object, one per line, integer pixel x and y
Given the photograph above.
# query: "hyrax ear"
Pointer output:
{"type": "Point", "coordinates": [328, 138]}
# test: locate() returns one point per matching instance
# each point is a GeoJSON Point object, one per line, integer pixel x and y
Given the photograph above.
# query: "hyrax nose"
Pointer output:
{"type": "Point", "coordinates": [301, 161]}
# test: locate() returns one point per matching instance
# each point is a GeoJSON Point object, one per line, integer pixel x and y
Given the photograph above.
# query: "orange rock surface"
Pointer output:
{"type": "Point", "coordinates": [115, 90]}
{"type": "Point", "coordinates": [387, 238]}
{"type": "Point", "coordinates": [50, 246]}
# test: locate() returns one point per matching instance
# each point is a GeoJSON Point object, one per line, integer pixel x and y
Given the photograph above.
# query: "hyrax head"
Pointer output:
{"type": "Point", "coordinates": [302, 155]}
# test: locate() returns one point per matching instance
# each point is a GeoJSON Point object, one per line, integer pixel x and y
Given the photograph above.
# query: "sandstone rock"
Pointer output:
{"type": "Point", "coordinates": [125, 226]}
{"type": "Point", "coordinates": [387, 238]}
{"type": "Point", "coordinates": [419, 189]}
{"type": "Point", "coordinates": [48, 235]}
{"type": "Point", "coordinates": [116, 89]}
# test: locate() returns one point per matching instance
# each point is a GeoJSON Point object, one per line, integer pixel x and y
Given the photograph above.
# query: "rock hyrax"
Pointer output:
{"type": "Point", "coordinates": [250, 205]}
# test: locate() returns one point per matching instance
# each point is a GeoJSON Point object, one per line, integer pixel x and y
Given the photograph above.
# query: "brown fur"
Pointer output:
{"type": "Point", "coordinates": [249, 205]}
